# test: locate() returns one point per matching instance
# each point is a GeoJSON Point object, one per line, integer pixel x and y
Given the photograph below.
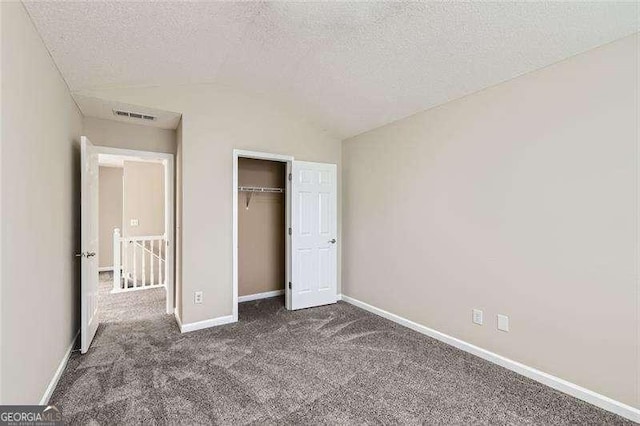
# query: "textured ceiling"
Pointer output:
{"type": "Point", "coordinates": [350, 66]}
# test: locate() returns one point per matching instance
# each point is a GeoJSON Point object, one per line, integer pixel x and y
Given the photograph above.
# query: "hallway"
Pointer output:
{"type": "Point", "coordinates": [127, 306]}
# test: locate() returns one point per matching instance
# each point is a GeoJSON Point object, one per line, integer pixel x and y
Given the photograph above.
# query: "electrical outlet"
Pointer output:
{"type": "Point", "coordinates": [198, 297]}
{"type": "Point", "coordinates": [477, 316]}
{"type": "Point", "coordinates": [503, 322]}
{"type": "Point", "coordinates": [134, 222]}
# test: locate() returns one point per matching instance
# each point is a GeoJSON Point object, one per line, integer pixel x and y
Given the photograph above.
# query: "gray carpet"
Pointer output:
{"type": "Point", "coordinates": [128, 306]}
{"type": "Point", "coordinates": [330, 365]}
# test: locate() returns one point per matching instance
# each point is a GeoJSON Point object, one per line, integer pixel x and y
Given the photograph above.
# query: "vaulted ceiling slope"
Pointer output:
{"type": "Point", "coordinates": [350, 66]}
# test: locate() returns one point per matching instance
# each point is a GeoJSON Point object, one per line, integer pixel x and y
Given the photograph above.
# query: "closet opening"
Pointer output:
{"type": "Point", "coordinates": [261, 224]}
{"type": "Point", "coordinates": [261, 229]}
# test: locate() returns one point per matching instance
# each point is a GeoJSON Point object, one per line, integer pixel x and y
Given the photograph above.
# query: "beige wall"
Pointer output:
{"type": "Point", "coordinates": [521, 200]}
{"type": "Point", "coordinates": [261, 250]}
{"type": "Point", "coordinates": [215, 120]}
{"type": "Point", "coordinates": [117, 134]}
{"type": "Point", "coordinates": [41, 128]}
{"type": "Point", "coordinates": [110, 200]}
{"type": "Point", "coordinates": [143, 198]}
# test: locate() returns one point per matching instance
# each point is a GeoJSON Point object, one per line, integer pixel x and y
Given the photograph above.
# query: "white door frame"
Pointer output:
{"type": "Point", "coordinates": [288, 159]}
{"type": "Point", "coordinates": [169, 206]}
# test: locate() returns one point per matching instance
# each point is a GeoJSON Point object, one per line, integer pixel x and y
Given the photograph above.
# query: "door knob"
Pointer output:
{"type": "Point", "coordinates": [87, 254]}
{"type": "Point", "coordinates": [332, 241]}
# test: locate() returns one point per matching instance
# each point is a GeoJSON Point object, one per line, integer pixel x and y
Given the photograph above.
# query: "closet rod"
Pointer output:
{"type": "Point", "coordinates": [253, 189]}
{"type": "Point", "coordinates": [259, 189]}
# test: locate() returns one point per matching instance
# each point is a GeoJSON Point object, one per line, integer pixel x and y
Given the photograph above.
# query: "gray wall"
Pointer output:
{"type": "Point", "coordinates": [520, 199]}
{"type": "Point", "coordinates": [40, 175]}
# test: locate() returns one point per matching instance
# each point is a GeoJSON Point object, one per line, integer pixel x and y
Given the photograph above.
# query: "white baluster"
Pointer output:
{"type": "Point", "coordinates": [144, 263]}
{"type": "Point", "coordinates": [117, 260]}
{"type": "Point", "coordinates": [160, 248]}
{"type": "Point", "coordinates": [125, 261]}
{"type": "Point", "coordinates": [135, 263]}
{"type": "Point", "coordinates": [124, 272]}
{"type": "Point", "coordinates": [151, 256]}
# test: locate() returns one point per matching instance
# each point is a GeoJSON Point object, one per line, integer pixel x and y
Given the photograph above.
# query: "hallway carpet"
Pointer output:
{"type": "Point", "coordinates": [330, 365]}
{"type": "Point", "coordinates": [130, 305]}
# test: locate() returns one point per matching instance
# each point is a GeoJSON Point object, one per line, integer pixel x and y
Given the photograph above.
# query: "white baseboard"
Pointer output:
{"type": "Point", "coordinates": [557, 383]}
{"type": "Point", "coordinates": [193, 326]}
{"type": "Point", "coordinates": [146, 287]}
{"type": "Point", "coordinates": [258, 296]}
{"type": "Point", "coordinates": [105, 269]}
{"type": "Point", "coordinates": [56, 376]}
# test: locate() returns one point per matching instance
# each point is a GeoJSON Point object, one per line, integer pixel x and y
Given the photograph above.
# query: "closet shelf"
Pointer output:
{"type": "Point", "coordinates": [253, 189]}
{"type": "Point", "coordinates": [260, 189]}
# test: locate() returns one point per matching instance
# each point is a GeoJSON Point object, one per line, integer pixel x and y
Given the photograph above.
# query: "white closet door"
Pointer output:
{"type": "Point", "coordinates": [88, 243]}
{"type": "Point", "coordinates": [314, 260]}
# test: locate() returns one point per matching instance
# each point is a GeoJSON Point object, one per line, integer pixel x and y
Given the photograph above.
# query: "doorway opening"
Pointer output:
{"type": "Point", "coordinates": [261, 229]}
{"type": "Point", "coordinates": [135, 254]}
{"type": "Point", "coordinates": [261, 219]}
{"type": "Point", "coordinates": [133, 237]}
{"type": "Point", "coordinates": [130, 253]}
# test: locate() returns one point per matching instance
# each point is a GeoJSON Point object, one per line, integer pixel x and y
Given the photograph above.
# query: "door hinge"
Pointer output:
{"type": "Point", "coordinates": [289, 285]}
{"type": "Point", "coordinates": [290, 176]}
{"type": "Point", "coordinates": [290, 231]}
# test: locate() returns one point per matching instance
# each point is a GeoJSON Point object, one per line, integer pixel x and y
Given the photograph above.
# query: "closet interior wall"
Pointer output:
{"type": "Point", "coordinates": [261, 227]}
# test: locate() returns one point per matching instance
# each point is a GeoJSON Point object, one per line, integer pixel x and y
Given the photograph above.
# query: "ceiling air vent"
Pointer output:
{"type": "Point", "coordinates": [136, 115]}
